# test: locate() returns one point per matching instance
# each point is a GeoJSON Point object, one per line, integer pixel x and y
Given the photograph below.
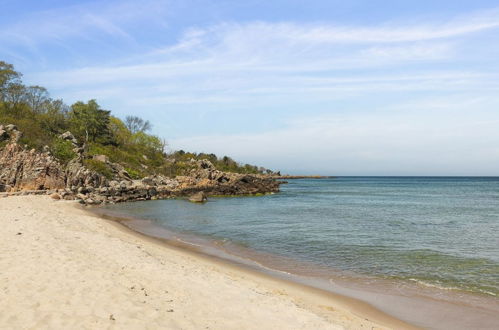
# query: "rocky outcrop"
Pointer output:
{"type": "Point", "coordinates": [30, 171]}
{"type": "Point", "coordinates": [78, 177]}
{"type": "Point", "coordinates": [205, 177]}
{"type": "Point", "coordinates": [22, 169]}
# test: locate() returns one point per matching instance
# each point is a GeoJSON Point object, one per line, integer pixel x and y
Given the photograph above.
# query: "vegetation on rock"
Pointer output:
{"type": "Point", "coordinates": [128, 143]}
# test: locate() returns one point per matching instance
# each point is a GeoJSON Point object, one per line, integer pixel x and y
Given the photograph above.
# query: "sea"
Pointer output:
{"type": "Point", "coordinates": [433, 238]}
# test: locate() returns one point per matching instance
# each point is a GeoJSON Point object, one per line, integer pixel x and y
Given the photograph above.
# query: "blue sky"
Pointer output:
{"type": "Point", "coordinates": [327, 87]}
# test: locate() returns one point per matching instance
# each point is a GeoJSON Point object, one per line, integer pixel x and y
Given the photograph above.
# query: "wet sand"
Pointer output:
{"type": "Point", "coordinates": [61, 267]}
{"type": "Point", "coordinates": [413, 302]}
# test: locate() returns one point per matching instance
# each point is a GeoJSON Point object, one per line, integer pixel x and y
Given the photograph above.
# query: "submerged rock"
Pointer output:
{"type": "Point", "coordinates": [199, 197]}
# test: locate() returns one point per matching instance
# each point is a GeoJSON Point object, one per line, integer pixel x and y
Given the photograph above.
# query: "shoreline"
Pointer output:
{"type": "Point", "coordinates": [311, 294]}
{"type": "Point", "coordinates": [63, 267]}
{"type": "Point", "coordinates": [412, 303]}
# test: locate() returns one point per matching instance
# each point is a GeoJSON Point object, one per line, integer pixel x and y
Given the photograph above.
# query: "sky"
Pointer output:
{"type": "Point", "coordinates": [360, 87]}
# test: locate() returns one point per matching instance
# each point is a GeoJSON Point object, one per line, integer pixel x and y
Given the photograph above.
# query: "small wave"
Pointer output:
{"type": "Point", "coordinates": [186, 242]}
{"type": "Point", "coordinates": [450, 288]}
{"type": "Point", "coordinates": [268, 268]}
{"type": "Point", "coordinates": [221, 242]}
{"type": "Point", "coordinates": [432, 285]}
{"type": "Point", "coordinates": [487, 292]}
{"type": "Point", "coordinates": [254, 262]}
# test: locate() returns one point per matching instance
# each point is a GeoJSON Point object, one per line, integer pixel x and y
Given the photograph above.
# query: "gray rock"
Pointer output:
{"type": "Point", "coordinates": [81, 196]}
{"type": "Point", "coordinates": [11, 127]}
{"type": "Point", "coordinates": [68, 136]}
{"type": "Point", "coordinates": [90, 201]}
{"type": "Point", "coordinates": [199, 197]}
{"type": "Point", "coordinates": [101, 158]}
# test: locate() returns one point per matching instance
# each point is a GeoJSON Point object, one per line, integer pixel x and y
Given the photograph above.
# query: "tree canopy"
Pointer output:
{"type": "Point", "coordinates": [89, 122]}
{"type": "Point", "coordinates": [136, 124]}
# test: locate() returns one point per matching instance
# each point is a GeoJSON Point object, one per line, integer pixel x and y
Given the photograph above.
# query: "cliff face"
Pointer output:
{"type": "Point", "coordinates": [29, 170]}
{"type": "Point", "coordinates": [24, 170]}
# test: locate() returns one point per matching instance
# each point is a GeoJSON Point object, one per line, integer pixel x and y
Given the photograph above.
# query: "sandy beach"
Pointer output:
{"type": "Point", "coordinates": [62, 267]}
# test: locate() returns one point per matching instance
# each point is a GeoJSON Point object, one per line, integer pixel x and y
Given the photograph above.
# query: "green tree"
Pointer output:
{"type": "Point", "coordinates": [37, 98]}
{"type": "Point", "coordinates": [121, 134]}
{"type": "Point", "coordinates": [136, 124]}
{"type": "Point", "coordinates": [148, 142]}
{"type": "Point", "coordinates": [8, 76]}
{"type": "Point", "coordinates": [54, 118]}
{"type": "Point", "coordinates": [89, 122]}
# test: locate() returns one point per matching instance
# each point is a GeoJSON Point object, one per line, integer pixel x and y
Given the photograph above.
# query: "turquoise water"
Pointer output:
{"type": "Point", "coordinates": [443, 232]}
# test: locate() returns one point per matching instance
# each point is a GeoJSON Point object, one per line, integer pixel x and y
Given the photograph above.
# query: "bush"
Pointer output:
{"type": "Point", "coordinates": [134, 174]}
{"type": "Point", "coordinates": [63, 150]}
{"type": "Point", "coordinates": [98, 167]}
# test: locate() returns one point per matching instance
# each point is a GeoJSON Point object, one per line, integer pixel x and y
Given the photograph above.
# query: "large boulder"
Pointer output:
{"type": "Point", "coordinates": [199, 197]}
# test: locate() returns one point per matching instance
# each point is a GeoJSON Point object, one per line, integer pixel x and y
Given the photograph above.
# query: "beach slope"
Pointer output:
{"type": "Point", "coordinates": [61, 267]}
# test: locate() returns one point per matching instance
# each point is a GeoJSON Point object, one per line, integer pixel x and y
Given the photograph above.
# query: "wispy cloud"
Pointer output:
{"type": "Point", "coordinates": [84, 21]}
{"type": "Point", "coordinates": [287, 48]}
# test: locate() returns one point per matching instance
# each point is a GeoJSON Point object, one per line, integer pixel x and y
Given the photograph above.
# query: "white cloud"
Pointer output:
{"type": "Point", "coordinates": [267, 54]}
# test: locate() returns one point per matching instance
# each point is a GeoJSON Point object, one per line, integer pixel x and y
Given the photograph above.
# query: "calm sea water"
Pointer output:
{"type": "Point", "coordinates": [442, 232]}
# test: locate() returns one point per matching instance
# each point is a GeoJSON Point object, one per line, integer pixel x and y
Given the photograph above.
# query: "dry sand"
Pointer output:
{"type": "Point", "coordinates": [63, 268]}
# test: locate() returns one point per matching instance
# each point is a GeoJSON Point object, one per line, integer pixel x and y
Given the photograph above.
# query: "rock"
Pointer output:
{"type": "Point", "coordinates": [199, 197]}
{"type": "Point", "coordinates": [34, 172]}
{"type": "Point", "coordinates": [78, 176]}
{"type": "Point", "coordinates": [55, 196]}
{"type": "Point", "coordinates": [148, 181]}
{"type": "Point", "coordinates": [29, 170]}
{"type": "Point", "coordinates": [81, 196]}
{"type": "Point", "coordinates": [101, 158]}
{"type": "Point", "coordinates": [68, 136]}
{"type": "Point", "coordinates": [89, 201]}
{"type": "Point", "coordinates": [78, 150]}
{"type": "Point", "coordinates": [11, 127]}
{"type": "Point", "coordinates": [3, 134]}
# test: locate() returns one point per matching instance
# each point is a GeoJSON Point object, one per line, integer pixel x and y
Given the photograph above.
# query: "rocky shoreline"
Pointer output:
{"type": "Point", "coordinates": [27, 171]}
{"type": "Point", "coordinates": [291, 177]}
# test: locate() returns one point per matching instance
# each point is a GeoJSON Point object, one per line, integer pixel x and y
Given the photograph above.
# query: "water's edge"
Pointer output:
{"type": "Point", "coordinates": [412, 303]}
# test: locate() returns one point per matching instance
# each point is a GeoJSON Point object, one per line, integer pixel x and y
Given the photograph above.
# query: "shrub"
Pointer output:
{"type": "Point", "coordinates": [63, 150]}
{"type": "Point", "coordinates": [134, 174]}
{"type": "Point", "coordinates": [98, 167]}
